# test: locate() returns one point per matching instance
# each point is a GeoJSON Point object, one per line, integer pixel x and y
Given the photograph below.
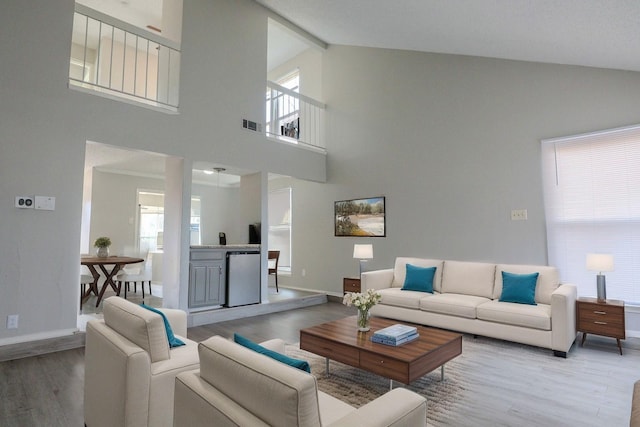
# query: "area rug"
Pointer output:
{"type": "Point", "coordinates": [500, 383]}
{"type": "Point", "coordinates": [358, 387]}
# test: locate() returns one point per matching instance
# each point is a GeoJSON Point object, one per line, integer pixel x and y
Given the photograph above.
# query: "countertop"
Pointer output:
{"type": "Point", "coordinates": [247, 245]}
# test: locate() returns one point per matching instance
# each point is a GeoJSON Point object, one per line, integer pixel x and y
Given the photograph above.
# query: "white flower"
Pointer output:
{"type": "Point", "coordinates": [364, 301]}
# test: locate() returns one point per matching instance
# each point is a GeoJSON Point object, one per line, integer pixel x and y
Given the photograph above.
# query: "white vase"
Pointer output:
{"type": "Point", "coordinates": [103, 252]}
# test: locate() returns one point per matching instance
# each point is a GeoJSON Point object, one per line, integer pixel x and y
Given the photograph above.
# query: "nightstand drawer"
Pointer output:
{"type": "Point", "coordinates": [608, 315]}
{"type": "Point", "coordinates": [350, 285]}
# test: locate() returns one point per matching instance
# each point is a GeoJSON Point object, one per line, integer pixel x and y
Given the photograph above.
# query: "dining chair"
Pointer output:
{"type": "Point", "coordinates": [133, 274]}
{"type": "Point", "coordinates": [85, 279]}
{"type": "Point", "coordinates": [274, 257]}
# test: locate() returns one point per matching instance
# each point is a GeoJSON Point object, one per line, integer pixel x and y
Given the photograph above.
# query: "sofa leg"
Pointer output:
{"type": "Point", "coordinates": [558, 353]}
{"type": "Point", "coordinates": [475, 336]}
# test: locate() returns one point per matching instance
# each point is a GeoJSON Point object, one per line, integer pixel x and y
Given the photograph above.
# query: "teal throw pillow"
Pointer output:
{"type": "Point", "coordinates": [296, 363]}
{"type": "Point", "coordinates": [519, 288]}
{"type": "Point", "coordinates": [419, 279]}
{"type": "Point", "coordinates": [173, 341]}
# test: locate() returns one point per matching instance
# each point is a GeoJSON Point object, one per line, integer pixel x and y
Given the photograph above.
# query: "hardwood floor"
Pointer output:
{"type": "Point", "coordinates": [47, 390]}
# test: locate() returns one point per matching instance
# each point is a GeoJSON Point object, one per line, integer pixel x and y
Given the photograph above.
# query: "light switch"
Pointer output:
{"type": "Point", "coordinates": [45, 203]}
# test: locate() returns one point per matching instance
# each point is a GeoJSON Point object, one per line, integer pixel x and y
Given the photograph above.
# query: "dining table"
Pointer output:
{"type": "Point", "coordinates": [110, 266]}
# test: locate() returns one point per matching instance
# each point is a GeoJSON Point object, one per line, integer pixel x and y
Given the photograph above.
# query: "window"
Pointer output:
{"type": "Point", "coordinates": [280, 226]}
{"type": "Point", "coordinates": [151, 220]}
{"type": "Point", "coordinates": [592, 205]}
{"type": "Point", "coordinates": [194, 225]}
{"type": "Point", "coordinates": [283, 109]}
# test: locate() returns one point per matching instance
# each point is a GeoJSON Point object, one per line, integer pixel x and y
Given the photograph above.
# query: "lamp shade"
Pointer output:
{"type": "Point", "coordinates": [363, 251]}
{"type": "Point", "coordinates": [600, 262]}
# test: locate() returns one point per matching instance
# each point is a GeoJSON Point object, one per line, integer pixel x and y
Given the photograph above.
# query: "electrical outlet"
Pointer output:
{"type": "Point", "coordinates": [24, 202]}
{"type": "Point", "coordinates": [519, 215]}
{"type": "Point", "coordinates": [12, 321]}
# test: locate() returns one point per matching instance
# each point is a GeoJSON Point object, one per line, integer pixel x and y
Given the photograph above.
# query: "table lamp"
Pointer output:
{"type": "Point", "coordinates": [363, 253]}
{"type": "Point", "coordinates": [600, 263]}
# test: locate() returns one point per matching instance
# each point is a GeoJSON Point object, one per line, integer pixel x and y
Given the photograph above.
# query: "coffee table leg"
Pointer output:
{"type": "Point", "coordinates": [390, 384]}
{"type": "Point", "coordinates": [326, 366]}
{"type": "Point", "coordinates": [442, 373]}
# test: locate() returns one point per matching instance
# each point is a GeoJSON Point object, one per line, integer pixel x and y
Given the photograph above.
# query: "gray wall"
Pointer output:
{"type": "Point", "coordinates": [453, 142]}
{"type": "Point", "coordinates": [44, 127]}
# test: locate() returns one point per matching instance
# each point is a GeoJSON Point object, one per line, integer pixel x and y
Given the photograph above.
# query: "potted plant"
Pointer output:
{"type": "Point", "coordinates": [102, 243]}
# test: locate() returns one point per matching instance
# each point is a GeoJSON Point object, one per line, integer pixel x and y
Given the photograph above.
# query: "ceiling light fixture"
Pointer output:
{"type": "Point", "coordinates": [208, 172]}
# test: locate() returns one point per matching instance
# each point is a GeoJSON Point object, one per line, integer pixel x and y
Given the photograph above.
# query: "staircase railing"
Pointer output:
{"type": "Point", "coordinates": [293, 117]}
{"type": "Point", "coordinates": [117, 58]}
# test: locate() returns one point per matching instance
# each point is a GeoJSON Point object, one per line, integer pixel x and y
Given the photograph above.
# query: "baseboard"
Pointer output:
{"type": "Point", "coordinates": [41, 346]}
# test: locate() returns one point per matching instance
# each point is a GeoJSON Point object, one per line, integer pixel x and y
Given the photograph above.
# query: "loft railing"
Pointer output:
{"type": "Point", "coordinates": [293, 117]}
{"type": "Point", "coordinates": [116, 58]}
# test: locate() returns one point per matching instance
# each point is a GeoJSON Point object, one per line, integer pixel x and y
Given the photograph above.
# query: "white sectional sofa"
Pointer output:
{"type": "Point", "coordinates": [466, 298]}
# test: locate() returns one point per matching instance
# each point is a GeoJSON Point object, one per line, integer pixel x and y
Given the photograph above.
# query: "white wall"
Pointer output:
{"type": "Point", "coordinates": [220, 209]}
{"type": "Point", "coordinates": [309, 64]}
{"type": "Point", "coordinates": [453, 142]}
{"type": "Point", "coordinates": [44, 126]}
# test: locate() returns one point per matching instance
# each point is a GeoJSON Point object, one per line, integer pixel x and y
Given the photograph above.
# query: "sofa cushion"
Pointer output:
{"type": "Point", "coordinates": [519, 288]}
{"type": "Point", "coordinates": [548, 280]}
{"type": "Point", "coordinates": [453, 304]}
{"type": "Point", "coordinates": [400, 270]}
{"type": "Point", "coordinates": [400, 298]}
{"type": "Point", "coordinates": [468, 278]}
{"type": "Point", "coordinates": [296, 363]}
{"type": "Point", "coordinates": [142, 327]}
{"type": "Point", "coordinates": [419, 279]}
{"type": "Point", "coordinates": [529, 316]}
{"type": "Point", "coordinates": [260, 383]}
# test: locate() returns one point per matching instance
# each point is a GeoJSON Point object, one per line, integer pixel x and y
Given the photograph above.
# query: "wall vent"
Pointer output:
{"type": "Point", "coordinates": [249, 125]}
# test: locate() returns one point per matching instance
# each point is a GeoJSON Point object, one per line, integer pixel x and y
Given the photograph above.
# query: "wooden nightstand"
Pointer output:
{"type": "Point", "coordinates": [350, 285]}
{"type": "Point", "coordinates": [604, 318]}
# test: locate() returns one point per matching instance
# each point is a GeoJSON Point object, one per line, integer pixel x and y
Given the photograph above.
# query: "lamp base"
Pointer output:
{"type": "Point", "coordinates": [601, 287]}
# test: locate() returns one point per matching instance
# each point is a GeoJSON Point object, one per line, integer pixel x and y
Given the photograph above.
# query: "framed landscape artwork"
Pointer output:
{"type": "Point", "coordinates": [360, 217]}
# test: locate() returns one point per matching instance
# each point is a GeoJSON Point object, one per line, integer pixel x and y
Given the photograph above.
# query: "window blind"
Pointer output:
{"type": "Point", "coordinates": [592, 205]}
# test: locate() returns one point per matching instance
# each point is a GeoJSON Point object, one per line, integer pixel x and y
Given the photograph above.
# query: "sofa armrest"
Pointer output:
{"type": "Point", "coordinates": [399, 407]}
{"type": "Point", "coordinates": [177, 319]}
{"type": "Point", "coordinates": [377, 279]}
{"type": "Point", "coordinates": [563, 318]}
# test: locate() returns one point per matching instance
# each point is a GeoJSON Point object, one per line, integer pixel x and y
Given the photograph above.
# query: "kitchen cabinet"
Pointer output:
{"type": "Point", "coordinates": [208, 274]}
{"type": "Point", "coordinates": [206, 278]}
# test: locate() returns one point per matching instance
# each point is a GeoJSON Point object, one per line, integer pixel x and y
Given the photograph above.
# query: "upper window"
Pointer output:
{"type": "Point", "coordinates": [592, 205]}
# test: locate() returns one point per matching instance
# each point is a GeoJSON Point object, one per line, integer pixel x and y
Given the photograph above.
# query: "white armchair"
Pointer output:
{"type": "Point", "coordinates": [129, 367]}
{"type": "Point", "coordinates": [236, 386]}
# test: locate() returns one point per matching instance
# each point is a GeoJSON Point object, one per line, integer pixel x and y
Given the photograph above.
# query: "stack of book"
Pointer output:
{"type": "Point", "coordinates": [395, 335]}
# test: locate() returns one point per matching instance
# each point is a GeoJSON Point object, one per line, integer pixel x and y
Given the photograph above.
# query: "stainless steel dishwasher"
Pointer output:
{"type": "Point", "coordinates": [243, 278]}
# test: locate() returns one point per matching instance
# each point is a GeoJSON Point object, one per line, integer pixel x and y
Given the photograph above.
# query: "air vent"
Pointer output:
{"type": "Point", "coordinates": [249, 125]}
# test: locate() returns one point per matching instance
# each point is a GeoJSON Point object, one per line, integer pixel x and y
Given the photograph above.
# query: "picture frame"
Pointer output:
{"type": "Point", "coordinates": [360, 217]}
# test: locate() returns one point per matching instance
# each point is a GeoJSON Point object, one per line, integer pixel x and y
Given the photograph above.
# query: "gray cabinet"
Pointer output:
{"type": "Point", "coordinates": [207, 278]}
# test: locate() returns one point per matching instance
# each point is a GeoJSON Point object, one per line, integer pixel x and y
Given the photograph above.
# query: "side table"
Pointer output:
{"type": "Point", "coordinates": [604, 318]}
{"type": "Point", "coordinates": [350, 285]}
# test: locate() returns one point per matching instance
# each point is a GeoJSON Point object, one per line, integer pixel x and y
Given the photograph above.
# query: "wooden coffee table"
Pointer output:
{"type": "Point", "coordinates": [340, 341]}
